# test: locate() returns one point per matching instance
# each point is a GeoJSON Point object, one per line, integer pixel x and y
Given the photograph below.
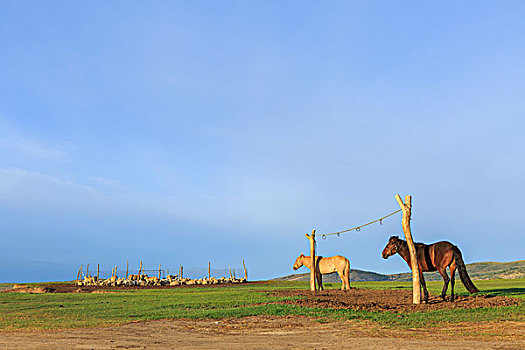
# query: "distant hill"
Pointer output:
{"type": "Point", "coordinates": [477, 271]}
{"type": "Point", "coordinates": [355, 275]}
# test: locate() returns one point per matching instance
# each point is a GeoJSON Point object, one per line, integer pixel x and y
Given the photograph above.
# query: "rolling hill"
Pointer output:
{"type": "Point", "coordinates": [477, 271]}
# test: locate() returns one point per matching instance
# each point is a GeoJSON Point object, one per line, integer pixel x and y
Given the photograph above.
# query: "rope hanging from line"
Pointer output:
{"type": "Point", "coordinates": [358, 228]}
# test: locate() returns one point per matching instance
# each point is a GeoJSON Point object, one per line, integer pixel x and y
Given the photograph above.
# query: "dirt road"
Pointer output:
{"type": "Point", "coordinates": [267, 332]}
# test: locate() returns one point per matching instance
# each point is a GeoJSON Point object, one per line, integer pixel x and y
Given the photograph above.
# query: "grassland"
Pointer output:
{"type": "Point", "coordinates": [77, 310]}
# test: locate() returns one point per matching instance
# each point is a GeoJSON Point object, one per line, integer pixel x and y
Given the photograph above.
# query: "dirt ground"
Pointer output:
{"type": "Point", "coordinates": [389, 300]}
{"type": "Point", "coordinates": [268, 332]}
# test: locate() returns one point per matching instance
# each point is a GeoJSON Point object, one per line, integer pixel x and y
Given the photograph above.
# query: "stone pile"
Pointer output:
{"type": "Point", "coordinates": [145, 280]}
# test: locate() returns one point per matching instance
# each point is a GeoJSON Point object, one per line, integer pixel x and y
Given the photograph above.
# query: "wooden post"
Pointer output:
{"type": "Point", "coordinates": [140, 269]}
{"type": "Point", "coordinates": [127, 268]}
{"type": "Point", "coordinates": [181, 272]}
{"type": "Point", "coordinates": [229, 269]}
{"type": "Point", "coordinates": [245, 271]}
{"type": "Point", "coordinates": [234, 274]}
{"type": "Point", "coordinates": [98, 271]}
{"type": "Point", "coordinates": [159, 271]}
{"type": "Point", "coordinates": [116, 275]}
{"type": "Point", "coordinates": [209, 270]}
{"type": "Point", "coordinates": [87, 270]}
{"type": "Point", "coordinates": [79, 272]}
{"type": "Point", "coordinates": [313, 269]}
{"type": "Point", "coordinates": [407, 212]}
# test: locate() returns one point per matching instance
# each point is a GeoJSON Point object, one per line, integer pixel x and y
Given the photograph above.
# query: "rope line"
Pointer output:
{"type": "Point", "coordinates": [358, 228]}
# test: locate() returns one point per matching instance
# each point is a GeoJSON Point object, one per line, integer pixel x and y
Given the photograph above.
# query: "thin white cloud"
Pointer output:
{"type": "Point", "coordinates": [106, 182]}
{"type": "Point", "coordinates": [12, 140]}
{"type": "Point", "coordinates": [255, 204]}
{"type": "Point", "coordinates": [21, 184]}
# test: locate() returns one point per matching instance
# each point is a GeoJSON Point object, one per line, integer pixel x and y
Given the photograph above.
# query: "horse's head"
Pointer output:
{"type": "Point", "coordinates": [391, 247]}
{"type": "Point", "coordinates": [298, 262]}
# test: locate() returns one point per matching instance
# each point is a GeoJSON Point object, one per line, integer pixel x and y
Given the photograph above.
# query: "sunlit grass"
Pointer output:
{"type": "Point", "coordinates": [73, 310]}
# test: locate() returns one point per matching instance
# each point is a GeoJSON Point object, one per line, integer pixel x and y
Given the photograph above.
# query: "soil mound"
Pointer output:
{"type": "Point", "coordinates": [36, 290]}
{"type": "Point", "coordinates": [388, 300]}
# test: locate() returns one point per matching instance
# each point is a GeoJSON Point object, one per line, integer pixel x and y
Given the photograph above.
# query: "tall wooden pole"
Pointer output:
{"type": "Point", "coordinates": [245, 271]}
{"type": "Point", "coordinates": [87, 270]}
{"type": "Point", "coordinates": [313, 269]}
{"type": "Point", "coordinates": [140, 269]}
{"type": "Point", "coordinates": [98, 271]}
{"type": "Point", "coordinates": [127, 268]}
{"type": "Point", "coordinates": [407, 212]}
{"type": "Point", "coordinates": [209, 270]}
{"type": "Point", "coordinates": [79, 272]}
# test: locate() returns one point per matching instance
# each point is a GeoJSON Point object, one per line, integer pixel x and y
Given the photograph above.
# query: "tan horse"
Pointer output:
{"type": "Point", "coordinates": [336, 263]}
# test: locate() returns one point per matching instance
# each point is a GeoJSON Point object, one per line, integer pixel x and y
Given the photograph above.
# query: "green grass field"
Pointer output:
{"type": "Point", "coordinates": [74, 310]}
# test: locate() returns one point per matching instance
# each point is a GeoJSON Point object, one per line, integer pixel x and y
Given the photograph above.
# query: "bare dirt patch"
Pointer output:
{"type": "Point", "coordinates": [388, 300]}
{"type": "Point", "coordinates": [264, 332]}
{"type": "Point", "coordinates": [32, 290]}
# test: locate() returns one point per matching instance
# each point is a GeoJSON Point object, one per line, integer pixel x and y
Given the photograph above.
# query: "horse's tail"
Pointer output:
{"type": "Point", "coordinates": [465, 279]}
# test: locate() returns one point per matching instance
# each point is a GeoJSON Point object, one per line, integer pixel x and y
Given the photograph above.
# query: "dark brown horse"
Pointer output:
{"type": "Point", "coordinates": [437, 256]}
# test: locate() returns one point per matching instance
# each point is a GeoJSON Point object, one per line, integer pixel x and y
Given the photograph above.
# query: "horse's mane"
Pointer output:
{"type": "Point", "coordinates": [417, 244]}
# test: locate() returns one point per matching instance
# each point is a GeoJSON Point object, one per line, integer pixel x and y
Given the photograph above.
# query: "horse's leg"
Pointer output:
{"type": "Point", "coordinates": [424, 285]}
{"type": "Point", "coordinates": [452, 278]}
{"type": "Point", "coordinates": [347, 280]}
{"type": "Point", "coordinates": [342, 277]}
{"type": "Point", "coordinates": [443, 274]}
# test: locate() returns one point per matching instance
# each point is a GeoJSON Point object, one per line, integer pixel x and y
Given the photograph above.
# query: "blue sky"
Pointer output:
{"type": "Point", "coordinates": [183, 132]}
